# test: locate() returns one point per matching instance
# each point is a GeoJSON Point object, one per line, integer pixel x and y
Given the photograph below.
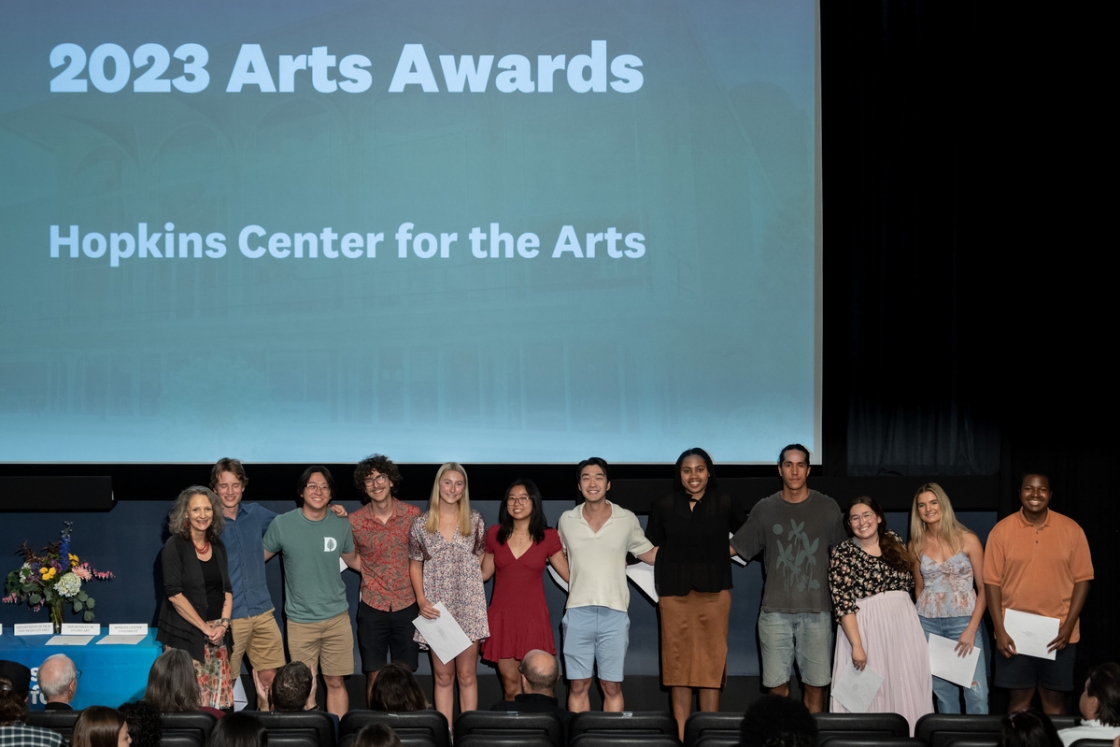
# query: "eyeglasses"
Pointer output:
{"type": "Point", "coordinates": [518, 499]}
{"type": "Point", "coordinates": [318, 488]}
{"type": "Point", "coordinates": [377, 480]}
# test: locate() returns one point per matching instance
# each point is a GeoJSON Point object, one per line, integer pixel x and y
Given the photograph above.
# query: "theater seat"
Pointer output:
{"type": "Point", "coordinates": [506, 723]}
{"type": "Point", "coordinates": [857, 725]}
{"type": "Point", "coordinates": [298, 729]}
{"type": "Point", "coordinates": [627, 723]}
{"type": "Point", "coordinates": [415, 728]}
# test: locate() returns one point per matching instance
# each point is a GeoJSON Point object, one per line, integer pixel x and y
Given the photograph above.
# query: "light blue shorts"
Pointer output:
{"type": "Point", "coordinates": [806, 636]}
{"type": "Point", "coordinates": [595, 634]}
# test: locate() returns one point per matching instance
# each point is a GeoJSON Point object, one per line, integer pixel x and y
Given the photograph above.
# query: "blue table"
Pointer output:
{"type": "Point", "coordinates": [111, 674]}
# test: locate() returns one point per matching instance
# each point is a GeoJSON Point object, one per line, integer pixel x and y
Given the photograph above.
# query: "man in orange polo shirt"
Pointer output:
{"type": "Point", "coordinates": [1037, 561]}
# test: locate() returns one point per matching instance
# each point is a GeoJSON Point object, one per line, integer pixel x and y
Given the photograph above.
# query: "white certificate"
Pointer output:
{"type": "Point", "coordinates": [946, 664]}
{"type": "Point", "coordinates": [641, 573]}
{"type": "Point", "coordinates": [1031, 633]}
{"type": "Point", "coordinates": [854, 689]}
{"type": "Point", "coordinates": [444, 636]}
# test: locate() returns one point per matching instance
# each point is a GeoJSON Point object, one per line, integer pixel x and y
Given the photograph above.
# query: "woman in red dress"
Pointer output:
{"type": "Point", "coordinates": [517, 548]}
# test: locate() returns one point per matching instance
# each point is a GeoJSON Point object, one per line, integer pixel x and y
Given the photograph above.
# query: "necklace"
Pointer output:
{"type": "Point", "coordinates": [205, 548]}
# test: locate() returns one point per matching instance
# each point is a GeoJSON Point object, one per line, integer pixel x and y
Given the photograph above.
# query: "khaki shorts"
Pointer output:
{"type": "Point", "coordinates": [327, 646]}
{"type": "Point", "coordinates": [259, 637]}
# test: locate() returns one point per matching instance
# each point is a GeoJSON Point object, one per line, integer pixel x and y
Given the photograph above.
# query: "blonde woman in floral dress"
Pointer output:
{"type": "Point", "coordinates": [445, 549]}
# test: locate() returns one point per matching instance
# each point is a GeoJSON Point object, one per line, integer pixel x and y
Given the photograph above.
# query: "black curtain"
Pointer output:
{"type": "Point", "coordinates": [968, 273]}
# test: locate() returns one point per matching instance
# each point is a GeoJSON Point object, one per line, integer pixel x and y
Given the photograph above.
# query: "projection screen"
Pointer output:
{"type": "Point", "coordinates": [486, 231]}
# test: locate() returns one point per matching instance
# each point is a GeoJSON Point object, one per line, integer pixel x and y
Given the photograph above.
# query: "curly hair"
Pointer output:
{"type": "Point", "coordinates": [179, 523]}
{"type": "Point", "coordinates": [144, 723]}
{"type": "Point", "coordinates": [376, 463]}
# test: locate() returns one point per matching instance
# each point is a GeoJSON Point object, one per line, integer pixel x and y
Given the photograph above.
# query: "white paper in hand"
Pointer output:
{"type": "Point", "coordinates": [1031, 633]}
{"type": "Point", "coordinates": [444, 636]}
{"type": "Point", "coordinates": [946, 664]}
{"type": "Point", "coordinates": [854, 689]}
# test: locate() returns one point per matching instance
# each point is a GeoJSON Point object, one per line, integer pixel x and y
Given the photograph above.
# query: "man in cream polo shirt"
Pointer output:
{"type": "Point", "coordinates": [597, 535]}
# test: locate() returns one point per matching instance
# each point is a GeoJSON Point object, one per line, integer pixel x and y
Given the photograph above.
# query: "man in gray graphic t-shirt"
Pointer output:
{"type": "Point", "coordinates": [794, 529]}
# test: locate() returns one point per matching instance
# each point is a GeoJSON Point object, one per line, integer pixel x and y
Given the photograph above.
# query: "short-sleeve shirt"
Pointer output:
{"type": "Point", "coordinates": [383, 549]}
{"type": "Point", "coordinates": [313, 587]}
{"type": "Point", "coordinates": [692, 544]}
{"type": "Point", "coordinates": [597, 560]}
{"type": "Point", "coordinates": [1036, 567]}
{"type": "Point", "coordinates": [243, 538]}
{"type": "Point", "coordinates": [795, 539]}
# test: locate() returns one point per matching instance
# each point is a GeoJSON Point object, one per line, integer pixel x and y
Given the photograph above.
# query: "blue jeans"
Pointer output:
{"type": "Point", "coordinates": [947, 693]}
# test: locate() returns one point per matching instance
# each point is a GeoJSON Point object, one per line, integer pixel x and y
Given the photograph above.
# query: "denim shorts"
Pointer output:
{"type": "Point", "coordinates": [595, 634]}
{"type": "Point", "coordinates": [804, 636]}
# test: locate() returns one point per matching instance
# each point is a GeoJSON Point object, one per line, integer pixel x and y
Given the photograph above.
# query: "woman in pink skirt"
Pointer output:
{"type": "Point", "coordinates": [870, 579]}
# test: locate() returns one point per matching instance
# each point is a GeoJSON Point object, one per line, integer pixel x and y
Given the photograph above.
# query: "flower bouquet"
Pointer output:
{"type": "Point", "coordinates": [53, 579]}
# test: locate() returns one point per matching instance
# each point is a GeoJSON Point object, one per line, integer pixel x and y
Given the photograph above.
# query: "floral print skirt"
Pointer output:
{"type": "Point", "coordinates": [215, 680]}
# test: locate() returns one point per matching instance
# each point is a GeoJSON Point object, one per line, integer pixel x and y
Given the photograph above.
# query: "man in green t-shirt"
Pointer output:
{"type": "Point", "coordinates": [312, 539]}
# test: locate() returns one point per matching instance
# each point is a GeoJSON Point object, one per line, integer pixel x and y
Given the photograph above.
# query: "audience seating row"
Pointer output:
{"type": "Point", "coordinates": [592, 729]}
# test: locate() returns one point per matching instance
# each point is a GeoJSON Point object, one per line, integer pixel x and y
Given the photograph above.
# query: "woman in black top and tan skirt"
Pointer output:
{"type": "Point", "coordinates": [693, 577]}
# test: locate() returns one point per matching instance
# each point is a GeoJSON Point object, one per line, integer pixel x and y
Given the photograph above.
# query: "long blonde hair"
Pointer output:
{"type": "Point", "coordinates": [432, 524]}
{"type": "Point", "coordinates": [950, 530]}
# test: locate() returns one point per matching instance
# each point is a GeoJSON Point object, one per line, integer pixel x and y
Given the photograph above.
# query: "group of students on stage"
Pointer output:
{"type": "Point", "coordinates": [821, 565]}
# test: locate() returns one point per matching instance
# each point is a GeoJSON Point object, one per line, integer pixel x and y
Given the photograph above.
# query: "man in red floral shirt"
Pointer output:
{"type": "Point", "coordinates": [388, 604]}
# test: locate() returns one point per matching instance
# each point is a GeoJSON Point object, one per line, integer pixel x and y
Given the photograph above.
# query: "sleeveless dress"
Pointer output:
{"type": "Point", "coordinates": [518, 615]}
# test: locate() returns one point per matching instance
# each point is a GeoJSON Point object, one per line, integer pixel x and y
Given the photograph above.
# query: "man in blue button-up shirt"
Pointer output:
{"type": "Point", "coordinates": [255, 631]}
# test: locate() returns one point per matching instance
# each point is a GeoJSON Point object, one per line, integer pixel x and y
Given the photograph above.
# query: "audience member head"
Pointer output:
{"type": "Point", "coordinates": [144, 725]}
{"type": "Point", "coordinates": [1029, 728]}
{"type": "Point", "coordinates": [539, 672]}
{"type": "Point", "coordinates": [377, 735]}
{"type": "Point", "coordinates": [13, 706]}
{"type": "Point", "coordinates": [291, 687]}
{"type": "Point", "coordinates": [1100, 700]}
{"type": "Point", "coordinates": [178, 520]}
{"type": "Point", "coordinates": [774, 721]}
{"type": "Point", "coordinates": [172, 683]}
{"type": "Point", "coordinates": [396, 691]}
{"type": "Point", "coordinates": [100, 726]}
{"type": "Point", "coordinates": [17, 675]}
{"type": "Point", "coordinates": [238, 730]}
{"type": "Point", "coordinates": [58, 678]}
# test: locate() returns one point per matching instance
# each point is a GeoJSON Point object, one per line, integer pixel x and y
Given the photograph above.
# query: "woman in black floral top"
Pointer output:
{"type": "Point", "coordinates": [870, 580]}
